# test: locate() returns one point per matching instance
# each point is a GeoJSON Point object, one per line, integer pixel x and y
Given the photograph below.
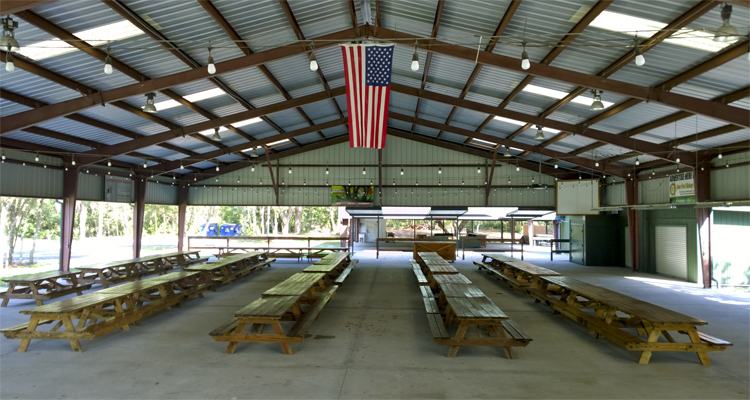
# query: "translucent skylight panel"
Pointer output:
{"type": "Point", "coordinates": [633, 26]}
{"type": "Point", "coordinates": [167, 104]}
{"type": "Point", "coordinates": [94, 37]}
{"type": "Point", "coordinates": [519, 123]}
{"type": "Point", "coordinates": [483, 141]}
{"type": "Point", "coordinates": [236, 125]}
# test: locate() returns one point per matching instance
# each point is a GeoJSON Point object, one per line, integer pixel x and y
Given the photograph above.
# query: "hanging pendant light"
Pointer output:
{"type": "Point", "coordinates": [254, 154]}
{"type": "Point", "coordinates": [149, 107]}
{"type": "Point", "coordinates": [313, 58]}
{"type": "Point", "coordinates": [637, 161]}
{"type": "Point", "coordinates": [290, 170]}
{"type": "Point", "coordinates": [216, 135]}
{"type": "Point", "coordinates": [525, 63]}
{"type": "Point", "coordinates": [210, 61]}
{"type": "Point", "coordinates": [597, 104]}
{"type": "Point", "coordinates": [415, 58]}
{"type": "Point", "coordinates": [108, 61]}
{"type": "Point", "coordinates": [9, 65]}
{"type": "Point", "coordinates": [8, 38]}
{"type": "Point", "coordinates": [507, 152]}
{"type": "Point", "coordinates": [364, 171]}
{"type": "Point", "coordinates": [539, 133]}
{"type": "Point", "coordinates": [726, 33]}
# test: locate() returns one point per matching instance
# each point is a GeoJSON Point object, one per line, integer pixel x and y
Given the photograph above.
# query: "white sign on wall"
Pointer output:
{"type": "Point", "coordinates": [118, 189]}
{"type": "Point", "coordinates": [681, 188]}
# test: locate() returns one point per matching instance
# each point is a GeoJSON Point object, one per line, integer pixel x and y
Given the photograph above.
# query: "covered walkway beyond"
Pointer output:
{"type": "Point", "coordinates": [374, 342]}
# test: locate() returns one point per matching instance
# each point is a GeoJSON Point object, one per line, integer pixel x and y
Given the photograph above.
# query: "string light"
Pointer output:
{"type": "Point", "coordinates": [36, 157]}
{"type": "Point", "coordinates": [210, 61]}
{"type": "Point", "coordinates": [327, 171]}
{"type": "Point", "coordinates": [415, 58]}
{"type": "Point", "coordinates": [364, 171]}
{"type": "Point", "coordinates": [290, 170]}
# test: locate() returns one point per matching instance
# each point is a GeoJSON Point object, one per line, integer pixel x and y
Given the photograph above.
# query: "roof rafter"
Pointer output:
{"type": "Point", "coordinates": [633, 144]}
{"type": "Point", "coordinates": [52, 111]}
{"type": "Point", "coordinates": [704, 107]}
{"type": "Point", "coordinates": [15, 6]}
{"type": "Point", "coordinates": [504, 21]}
{"type": "Point", "coordinates": [428, 60]}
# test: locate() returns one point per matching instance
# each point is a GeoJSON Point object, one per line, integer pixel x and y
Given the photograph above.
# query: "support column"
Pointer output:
{"type": "Point", "coordinates": [182, 198]}
{"type": "Point", "coordinates": [631, 196]}
{"type": "Point", "coordinates": [703, 215]}
{"type": "Point", "coordinates": [139, 209]}
{"type": "Point", "coordinates": [67, 216]}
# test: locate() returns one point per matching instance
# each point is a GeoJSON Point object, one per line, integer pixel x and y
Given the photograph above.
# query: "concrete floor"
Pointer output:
{"type": "Point", "coordinates": [373, 341]}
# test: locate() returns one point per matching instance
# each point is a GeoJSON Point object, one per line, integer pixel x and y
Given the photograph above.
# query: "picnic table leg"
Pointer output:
{"type": "Point", "coordinates": [233, 345]}
{"type": "Point", "coordinates": [653, 337]}
{"type": "Point", "coordinates": [702, 355]}
{"type": "Point", "coordinates": [11, 287]}
{"type": "Point", "coordinates": [35, 293]}
{"type": "Point", "coordinates": [279, 330]}
{"type": "Point", "coordinates": [460, 333]}
{"type": "Point", "coordinates": [499, 331]}
{"type": "Point", "coordinates": [74, 343]}
{"type": "Point", "coordinates": [30, 328]}
{"type": "Point", "coordinates": [118, 308]}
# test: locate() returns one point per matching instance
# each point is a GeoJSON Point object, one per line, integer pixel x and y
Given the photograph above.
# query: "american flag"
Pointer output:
{"type": "Point", "coordinates": [367, 68]}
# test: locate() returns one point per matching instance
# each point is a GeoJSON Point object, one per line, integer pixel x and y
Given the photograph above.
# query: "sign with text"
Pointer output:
{"type": "Point", "coordinates": [118, 189]}
{"type": "Point", "coordinates": [354, 196]}
{"type": "Point", "coordinates": [681, 188]}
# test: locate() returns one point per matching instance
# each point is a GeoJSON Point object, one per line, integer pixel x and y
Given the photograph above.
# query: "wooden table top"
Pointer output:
{"type": "Point", "coordinates": [461, 290]}
{"type": "Point", "coordinates": [451, 278]}
{"type": "Point", "coordinates": [103, 266]}
{"type": "Point", "coordinates": [475, 308]}
{"type": "Point", "coordinates": [74, 304]}
{"type": "Point", "coordinates": [531, 269]}
{"type": "Point", "coordinates": [333, 258]}
{"type": "Point", "coordinates": [133, 287]}
{"type": "Point", "coordinates": [441, 269]}
{"type": "Point", "coordinates": [499, 257]}
{"type": "Point", "coordinates": [222, 262]}
{"type": "Point", "coordinates": [296, 285]}
{"type": "Point", "coordinates": [268, 307]}
{"type": "Point", "coordinates": [321, 268]}
{"type": "Point", "coordinates": [41, 276]}
{"type": "Point", "coordinates": [175, 276]}
{"type": "Point", "coordinates": [647, 311]}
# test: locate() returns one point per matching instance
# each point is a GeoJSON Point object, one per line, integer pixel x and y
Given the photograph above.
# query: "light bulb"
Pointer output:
{"type": "Point", "coordinates": [596, 164]}
{"type": "Point", "coordinates": [479, 171]}
{"type": "Point", "coordinates": [677, 160]}
{"type": "Point", "coordinates": [525, 64]}
{"type": "Point", "coordinates": [639, 59]}
{"type": "Point", "coordinates": [364, 171]}
{"type": "Point", "coordinates": [556, 166]}
{"type": "Point", "coordinates": [145, 165]}
{"type": "Point", "coordinates": [108, 67]}
{"type": "Point", "coordinates": [326, 170]}
{"type": "Point", "coordinates": [313, 65]}
{"type": "Point", "coordinates": [402, 171]}
{"type": "Point", "coordinates": [36, 158]}
{"type": "Point", "coordinates": [290, 170]}
{"type": "Point", "coordinates": [211, 68]}
{"type": "Point", "coordinates": [217, 167]}
{"type": "Point", "coordinates": [637, 161]}
{"type": "Point", "coordinates": [720, 156]}
{"type": "Point", "coordinates": [518, 168]}
{"type": "Point", "coordinates": [72, 162]}
{"type": "Point", "coordinates": [109, 163]}
{"type": "Point", "coordinates": [415, 65]}
{"type": "Point", "coordinates": [440, 170]}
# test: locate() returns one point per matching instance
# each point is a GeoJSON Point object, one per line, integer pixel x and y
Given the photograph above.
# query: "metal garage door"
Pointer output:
{"type": "Point", "coordinates": [671, 251]}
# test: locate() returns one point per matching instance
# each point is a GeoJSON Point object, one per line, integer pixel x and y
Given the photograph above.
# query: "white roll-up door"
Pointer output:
{"type": "Point", "coordinates": [671, 251]}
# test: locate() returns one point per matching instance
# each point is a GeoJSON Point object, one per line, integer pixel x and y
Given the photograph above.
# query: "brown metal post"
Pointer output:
{"type": "Point", "coordinates": [67, 216]}
{"type": "Point", "coordinates": [631, 196]}
{"type": "Point", "coordinates": [703, 216]}
{"type": "Point", "coordinates": [139, 208]}
{"type": "Point", "coordinates": [182, 197]}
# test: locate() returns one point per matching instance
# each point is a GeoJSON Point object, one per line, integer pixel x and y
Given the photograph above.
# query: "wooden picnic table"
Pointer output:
{"type": "Point", "coordinates": [334, 258]}
{"type": "Point", "coordinates": [227, 269]}
{"type": "Point", "coordinates": [302, 285]}
{"type": "Point", "coordinates": [570, 297]}
{"type": "Point", "coordinates": [451, 278]}
{"type": "Point", "coordinates": [496, 258]}
{"type": "Point", "coordinates": [114, 272]}
{"type": "Point", "coordinates": [43, 286]}
{"type": "Point", "coordinates": [518, 274]}
{"type": "Point", "coordinates": [94, 314]}
{"type": "Point", "coordinates": [285, 301]}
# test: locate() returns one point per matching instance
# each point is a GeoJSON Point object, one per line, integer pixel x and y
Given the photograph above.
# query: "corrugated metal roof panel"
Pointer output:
{"type": "Point", "coordinates": [335, 131]}
{"type": "Point", "coordinates": [37, 88]}
{"type": "Point", "coordinates": [331, 64]}
{"type": "Point", "coordinates": [452, 137]}
{"type": "Point", "coordinates": [308, 138]}
{"type": "Point", "coordinates": [414, 17]}
{"type": "Point", "coordinates": [398, 124]}
{"type": "Point", "coordinates": [469, 117]}
{"type": "Point", "coordinates": [261, 23]}
{"type": "Point", "coordinates": [633, 117]}
{"type": "Point", "coordinates": [77, 129]}
{"type": "Point", "coordinates": [725, 79]}
{"type": "Point", "coordinates": [321, 111]}
{"type": "Point", "coordinates": [10, 108]}
{"type": "Point", "coordinates": [85, 69]}
{"type": "Point", "coordinates": [449, 71]}
{"type": "Point", "coordinates": [318, 18]}
{"type": "Point", "coordinates": [494, 83]}
{"type": "Point", "coordinates": [423, 130]}
{"type": "Point", "coordinates": [294, 75]}
{"type": "Point", "coordinates": [462, 22]}
{"type": "Point", "coordinates": [401, 72]}
{"type": "Point", "coordinates": [402, 103]}
{"type": "Point", "coordinates": [252, 86]}
{"type": "Point", "coordinates": [434, 108]}
{"type": "Point", "coordinates": [45, 141]}
{"type": "Point", "coordinates": [739, 139]}
{"type": "Point", "coordinates": [287, 118]}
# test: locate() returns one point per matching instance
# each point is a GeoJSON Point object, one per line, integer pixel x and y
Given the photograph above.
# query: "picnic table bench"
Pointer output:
{"type": "Point", "coordinates": [94, 314]}
{"type": "Point", "coordinates": [225, 270]}
{"type": "Point", "coordinates": [284, 251]}
{"type": "Point", "coordinates": [286, 301]}
{"type": "Point", "coordinates": [42, 286]}
{"type": "Point", "coordinates": [614, 312]}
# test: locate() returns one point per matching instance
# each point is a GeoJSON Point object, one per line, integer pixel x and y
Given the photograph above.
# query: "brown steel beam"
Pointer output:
{"type": "Point", "coordinates": [46, 113]}
{"type": "Point", "coordinates": [319, 72]}
{"type": "Point", "coordinates": [67, 216]}
{"type": "Point", "coordinates": [132, 145]}
{"type": "Point", "coordinates": [474, 152]}
{"type": "Point", "coordinates": [607, 169]}
{"type": "Point", "coordinates": [489, 180]}
{"type": "Point", "coordinates": [182, 202]}
{"type": "Point", "coordinates": [15, 6]}
{"type": "Point", "coordinates": [631, 199]}
{"type": "Point", "coordinates": [698, 106]}
{"type": "Point", "coordinates": [633, 144]}
{"type": "Point", "coordinates": [273, 179]}
{"type": "Point", "coordinates": [353, 16]}
{"type": "Point", "coordinates": [504, 21]}
{"type": "Point", "coordinates": [380, 176]}
{"type": "Point", "coordinates": [139, 210]}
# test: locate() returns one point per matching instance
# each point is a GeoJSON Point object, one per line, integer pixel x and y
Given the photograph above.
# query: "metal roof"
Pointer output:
{"type": "Point", "coordinates": [263, 25]}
